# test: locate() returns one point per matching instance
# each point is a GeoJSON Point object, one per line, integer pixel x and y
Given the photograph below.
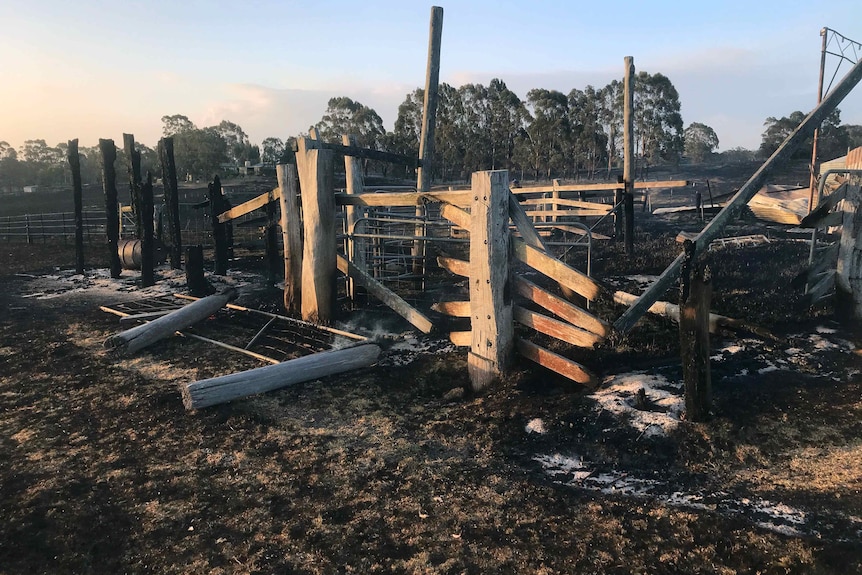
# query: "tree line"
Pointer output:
{"type": "Point", "coordinates": [549, 134]}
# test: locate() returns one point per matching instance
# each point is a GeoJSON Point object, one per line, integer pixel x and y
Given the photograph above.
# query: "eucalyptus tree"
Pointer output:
{"type": "Point", "coordinates": [588, 139]}
{"type": "Point", "coordinates": [547, 136]}
{"type": "Point", "coordinates": [700, 141]}
{"type": "Point", "coordinates": [658, 122]}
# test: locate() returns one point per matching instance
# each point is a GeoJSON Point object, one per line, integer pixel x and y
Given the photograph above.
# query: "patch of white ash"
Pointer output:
{"type": "Point", "coordinates": [537, 426]}
{"type": "Point", "coordinates": [664, 403]}
{"type": "Point", "coordinates": [574, 471]}
{"type": "Point", "coordinates": [410, 347]}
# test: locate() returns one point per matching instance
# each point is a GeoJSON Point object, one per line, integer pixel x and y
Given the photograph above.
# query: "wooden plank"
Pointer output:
{"type": "Point", "coordinates": [453, 308]}
{"type": "Point", "coordinates": [524, 225]}
{"type": "Point", "coordinates": [456, 215]}
{"type": "Point", "coordinates": [830, 220]}
{"type": "Point", "coordinates": [461, 338]}
{"type": "Point", "coordinates": [555, 328]}
{"type": "Point", "coordinates": [556, 363]}
{"type": "Point", "coordinates": [661, 184]}
{"type": "Point", "coordinates": [454, 266]}
{"type": "Point", "coordinates": [250, 206]}
{"type": "Point", "coordinates": [490, 300]}
{"type": "Point", "coordinates": [555, 269]}
{"type": "Point", "coordinates": [730, 211]}
{"type": "Point", "coordinates": [396, 199]}
{"type": "Point", "coordinates": [577, 212]}
{"type": "Point", "coordinates": [318, 223]}
{"type": "Point", "coordinates": [213, 391]}
{"type": "Point", "coordinates": [384, 294]}
{"type": "Point", "coordinates": [593, 206]}
{"type": "Point", "coordinates": [147, 316]}
{"type": "Point", "coordinates": [565, 188]}
{"type": "Point", "coordinates": [824, 286]}
{"type": "Point", "coordinates": [562, 308]}
{"type": "Point", "coordinates": [362, 153]}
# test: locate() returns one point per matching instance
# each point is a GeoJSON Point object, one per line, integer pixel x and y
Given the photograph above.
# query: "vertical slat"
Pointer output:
{"type": "Point", "coordinates": [291, 230]}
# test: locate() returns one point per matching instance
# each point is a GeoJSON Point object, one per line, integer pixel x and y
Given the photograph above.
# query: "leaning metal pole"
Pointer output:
{"type": "Point", "coordinates": [631, 316]}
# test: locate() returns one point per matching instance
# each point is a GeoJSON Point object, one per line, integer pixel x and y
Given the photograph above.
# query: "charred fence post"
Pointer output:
{"type": "Point", "coordinates": [148, 247]}
{"type": "Point", "coordinates": [172, 200]}
{"type": "Point", "coordinates": [195, 279]}
{"type": "Point", "coordinates": [695, 297]}
{"type": "Point", "coordinates": [217, 206]}
{"type": "Point", "coordinates": [77, 191]}
{"type": "Point", "coordinates": [112, 210]}
{"type": "Point", "coordinates": [135, 181]}
{"type": "Point", "coordinates": [271, 239]}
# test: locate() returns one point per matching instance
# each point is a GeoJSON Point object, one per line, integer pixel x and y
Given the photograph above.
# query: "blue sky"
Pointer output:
{"type": "Point", "coordinates": [91, 69]}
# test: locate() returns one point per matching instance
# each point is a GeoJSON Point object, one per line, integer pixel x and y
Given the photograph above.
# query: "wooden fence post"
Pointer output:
{"type": "Point", "coordinates": [291, 231]}
{"type": "Point", "coordinates": [109, 184]}
{"type": "Point", "coordinates": [217, 206]}
{"type": "Point", "coordinates": [172, 200]}
{"type": "Point", "coordinates": [135, 181]}
{"type": "Point", "coordinates": [355, 183]}
{"type": "Point", "coordinates": [629, 154]}
{"type": "Point", "coordinates": [147, 244]}
{"type": "Point", "coordinates": [695, 297]}
{"type": "Point", "coordinates": [318, 220]}
{"type": "Point", "coordinates": [429, 123]}
{"type": "Point", "coordinates": [271, 239]}
{"type": "Point", "coordinates": [77, 191]}
{"type": "Point", "coordinates": [491, 316]}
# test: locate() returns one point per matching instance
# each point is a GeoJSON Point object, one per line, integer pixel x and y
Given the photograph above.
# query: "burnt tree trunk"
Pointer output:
{"type": "Point", "coordinates": [195, 279]}
{"type": "Point", "coordinates": [112, 211]}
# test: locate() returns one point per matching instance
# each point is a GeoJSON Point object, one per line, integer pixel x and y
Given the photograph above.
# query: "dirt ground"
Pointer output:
{"type": "Point", "coordinates": [395, 468]}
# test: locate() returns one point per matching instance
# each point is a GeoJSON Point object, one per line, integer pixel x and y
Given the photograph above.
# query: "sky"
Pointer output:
{"type": "Point", "coordinates": [94, 69]}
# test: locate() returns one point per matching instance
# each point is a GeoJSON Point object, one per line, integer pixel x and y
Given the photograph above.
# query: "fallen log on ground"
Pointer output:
{"type": "Point", "coordinates": [671, 310]}
{"type": "Point", "coordinates": [139, 337]}
{"type": "Point", "coordinates": [216, 390]}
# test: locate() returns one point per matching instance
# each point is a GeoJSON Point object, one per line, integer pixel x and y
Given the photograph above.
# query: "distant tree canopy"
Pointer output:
{"type": "Point", "coordinates": [833, 142]}
{"type": "Point", "coordinates": [700, 141]}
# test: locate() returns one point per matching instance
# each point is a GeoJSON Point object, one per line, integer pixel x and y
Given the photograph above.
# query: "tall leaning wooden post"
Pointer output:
{"type": "Point", "coordinates": [291, 234]}
{"type": "Point", "coordinates": [77, 191]}
{"type": "Point", "coordinates": [318, 224]}
{"type": "Point", "coordinates": [112, 208]}
{"type": "Point", "coordinates": [629, 154]}
{"type": "Point", "coordinates": [429, 123]}
{"type": "Point", "coordinates": [491, 317]}
{"type": "Point", "coordinates": [172, 200]}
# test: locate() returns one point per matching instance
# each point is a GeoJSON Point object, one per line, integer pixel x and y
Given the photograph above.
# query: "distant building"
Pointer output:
{"type": "Point", "coordinates": [31, 189]}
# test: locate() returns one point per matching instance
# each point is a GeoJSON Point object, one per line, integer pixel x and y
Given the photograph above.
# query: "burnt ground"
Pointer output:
{"type": "Point", "coordinates": [396, 469]}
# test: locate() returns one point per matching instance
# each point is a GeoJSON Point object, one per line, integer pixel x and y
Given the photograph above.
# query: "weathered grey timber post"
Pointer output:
{"type": "Point", "coordinates": [112, 211]}
{"type": "Point", "coordinates": [694, 302]}
{"type": "Point", "coordinates": [491, 316]}
{"type": "Point", "coordinates": [355, 183]}
{"type": "Point", "coordinates": [318, 222]}
{"type": "Point", "coordinates": [618, 208]}
{"type": "Point", "coordinates": [172, 200]}
{"type": "Point", "coordinates": [135, 180]}
{"type": "Point", "coordinates": [629, 153]}
{"type": "Point", "coordinates": [147, 256]}
{"type": "Point", "coordinates": [217, 206]}
{"type": "Point", "coordinates": [271, 239]}
{"type": "Point", "coordinates": [291, 231]}
{"type": "Point", "coordinates": [429, 124]}
{"type": "Point", "coordinates": [77, 191]}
